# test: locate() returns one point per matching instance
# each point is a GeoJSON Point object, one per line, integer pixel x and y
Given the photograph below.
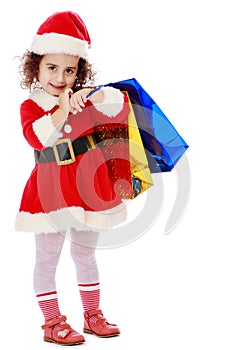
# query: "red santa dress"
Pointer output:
{"type": "Point", "coordinates": [80, 194]}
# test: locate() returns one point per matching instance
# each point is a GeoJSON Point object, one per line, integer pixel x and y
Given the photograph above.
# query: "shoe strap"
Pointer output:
{"type": "Point", "coordinates": [54, 322]}
{"type": "Point", "coordinates": [91, 313]}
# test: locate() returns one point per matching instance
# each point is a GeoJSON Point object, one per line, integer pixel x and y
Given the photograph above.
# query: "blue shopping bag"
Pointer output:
{"type": "Point", "coordinates": [163, 144]}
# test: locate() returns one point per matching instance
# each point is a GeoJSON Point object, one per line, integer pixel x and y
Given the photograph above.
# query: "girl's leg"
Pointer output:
{"type": "Point", "coordinates": [48, 250]}
{"type": "Point", "coordinates": [83, 245]}
{"type": "Point", "coordinates": [56, 330]}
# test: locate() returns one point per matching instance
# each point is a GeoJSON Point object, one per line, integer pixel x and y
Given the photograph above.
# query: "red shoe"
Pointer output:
{"type": "Point", "coordinates": [59, 332]}
{"type": "Point", "coordinates": [101, 327]}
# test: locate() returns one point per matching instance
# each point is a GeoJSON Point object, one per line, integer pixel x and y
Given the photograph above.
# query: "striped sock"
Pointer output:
{"type": "Point", "coordinates": [90, 296]}
{"type": "Point", "coordinates": [48, 303]}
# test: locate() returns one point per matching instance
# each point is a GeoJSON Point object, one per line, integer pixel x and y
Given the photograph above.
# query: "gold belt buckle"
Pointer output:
{"type": "Point", "coordinates": [91, 142]}
{"type": "Point", "coordinates": [57, 155]}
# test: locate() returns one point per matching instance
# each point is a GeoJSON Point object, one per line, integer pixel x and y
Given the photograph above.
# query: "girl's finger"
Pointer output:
{"type": "Point", "coordinates": [75, 105]}
{"type": "Point", "coordinates": [84, 98]}
{"type": "Point", "coordinates": [77, 101]}
{"type": "Point", "coordinates": [81, 101]}
{"type": "Point", "coordinates": [68, 92]}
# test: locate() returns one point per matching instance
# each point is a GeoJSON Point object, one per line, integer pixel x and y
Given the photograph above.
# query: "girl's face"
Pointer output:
{"type": "Point", "coordinates": [57, 72]}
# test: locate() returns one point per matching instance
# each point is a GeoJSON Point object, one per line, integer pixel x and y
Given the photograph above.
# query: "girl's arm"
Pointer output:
{"type": "Point", "coordinates": [60, 116]}
{"type": "Point", "coordinates": [42, 127]}
{"type": "Point", "coordinates": [106, 100]}
{"type": "Point", "coordinates": [79, 99]}
{"type": "Point", "coordinates": [69, 102]}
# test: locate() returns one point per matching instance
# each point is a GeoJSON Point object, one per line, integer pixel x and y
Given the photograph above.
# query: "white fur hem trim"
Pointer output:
{"type": "Point", "coordinates": [112, 103]}
{"type": "Point", "coordinates": [52, 43]}
{"type": "Point", "coordinates": [73, 217]}
{"type": "Point", "coordinates": [46, 131]}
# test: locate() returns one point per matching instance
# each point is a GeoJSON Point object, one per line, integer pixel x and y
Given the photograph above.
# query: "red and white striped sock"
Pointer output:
{"type": "Point", "coordinates": [49, 306]}
{"type": "Point", "coordinates": [90, 296]}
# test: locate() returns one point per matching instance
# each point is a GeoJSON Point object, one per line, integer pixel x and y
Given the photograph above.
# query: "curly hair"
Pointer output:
{"type": "Point", "coordinates": [29, 69]}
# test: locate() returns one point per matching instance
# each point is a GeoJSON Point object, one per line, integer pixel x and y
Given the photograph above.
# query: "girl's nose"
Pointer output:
{"type": "Point", "coordinates": [60, 77]}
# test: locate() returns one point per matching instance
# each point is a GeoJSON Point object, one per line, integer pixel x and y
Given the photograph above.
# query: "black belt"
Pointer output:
{"type": "Point", "coordinates": [64, 150]}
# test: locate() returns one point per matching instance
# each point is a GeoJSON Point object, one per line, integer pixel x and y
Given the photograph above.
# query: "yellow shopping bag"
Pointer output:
{"type": "Point", "coordinates": [140, 172]}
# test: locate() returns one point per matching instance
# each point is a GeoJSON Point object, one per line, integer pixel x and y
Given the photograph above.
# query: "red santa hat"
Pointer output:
{"type": "Point", "coordinates": [63, 33]}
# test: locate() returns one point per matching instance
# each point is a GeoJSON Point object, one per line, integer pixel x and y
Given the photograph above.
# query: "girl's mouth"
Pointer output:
{"type": "Point", "coordinates": [57, 87]}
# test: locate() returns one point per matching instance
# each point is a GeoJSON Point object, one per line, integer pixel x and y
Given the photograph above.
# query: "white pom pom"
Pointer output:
{"type": "Point", "coordinates": [67, 128]}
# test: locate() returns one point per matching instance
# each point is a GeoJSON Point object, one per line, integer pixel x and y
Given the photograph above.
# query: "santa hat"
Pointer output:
{"type": "Point", "coordinates": [62, 33]}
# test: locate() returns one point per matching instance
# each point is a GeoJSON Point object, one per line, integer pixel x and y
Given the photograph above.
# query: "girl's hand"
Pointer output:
{"type": "Point", "coordinates": [64, 101]}
{"type": "Point", "coordinates": [60, 116]}
{"type": "Point", "coordinates": [79, 98]}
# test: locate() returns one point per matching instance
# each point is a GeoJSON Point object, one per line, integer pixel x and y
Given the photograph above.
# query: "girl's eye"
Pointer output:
{"type": "Point", "coordinates": [52, 68]}
{"type": "Point", "coordinates": [69, 71]}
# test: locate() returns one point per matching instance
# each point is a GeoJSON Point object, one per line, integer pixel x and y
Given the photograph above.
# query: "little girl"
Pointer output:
{"type": "Point", "coordinates": [58, 121]}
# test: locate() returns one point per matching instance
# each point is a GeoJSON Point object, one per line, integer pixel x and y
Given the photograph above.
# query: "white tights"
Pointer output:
{"type": "Point", "coordinates": [48, 250]}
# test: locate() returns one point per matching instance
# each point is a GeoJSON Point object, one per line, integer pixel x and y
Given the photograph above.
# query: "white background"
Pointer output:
{"type": "Point", "coordinates": [164, 291]}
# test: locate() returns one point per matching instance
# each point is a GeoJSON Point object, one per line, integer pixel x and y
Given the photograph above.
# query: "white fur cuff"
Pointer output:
{"type": "Point", "coordinates": [112, 103]}
{"type": "Point", "coordinates": [46, 131]}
